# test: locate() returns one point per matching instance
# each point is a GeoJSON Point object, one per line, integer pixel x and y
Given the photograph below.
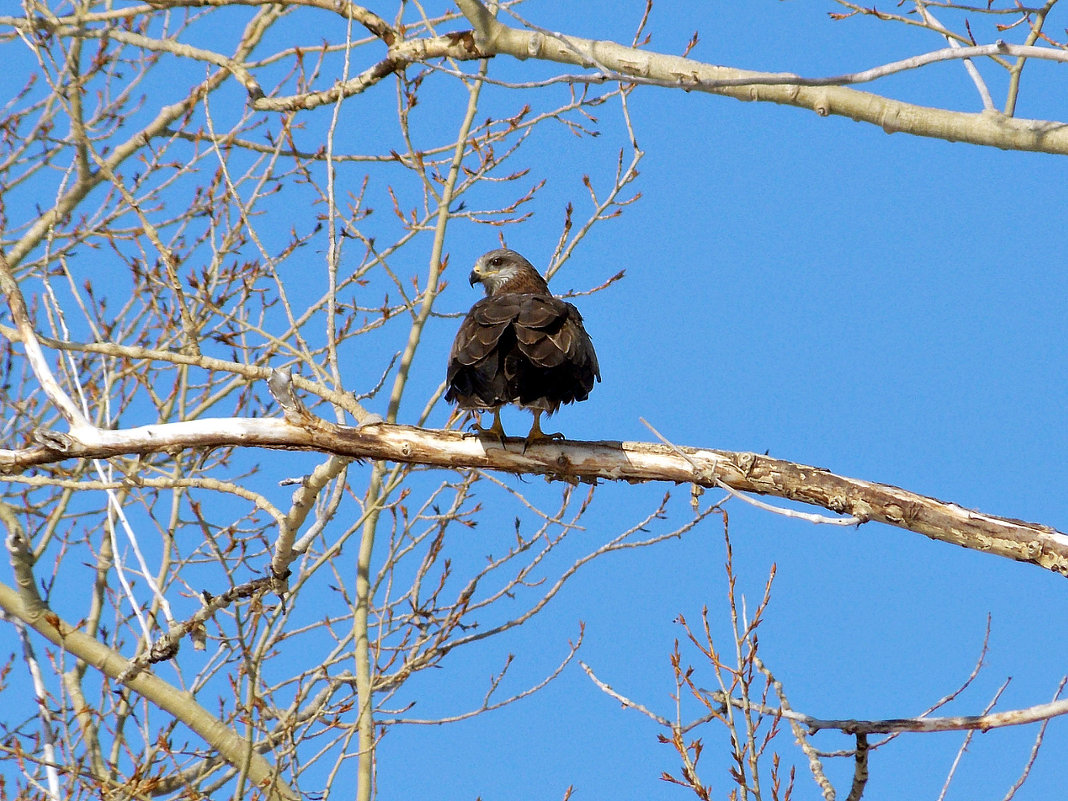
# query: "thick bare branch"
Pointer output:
{"type": "Point", "coordinates": [581, 461]}
{"type": "Point", "coordinates": [619, 62]}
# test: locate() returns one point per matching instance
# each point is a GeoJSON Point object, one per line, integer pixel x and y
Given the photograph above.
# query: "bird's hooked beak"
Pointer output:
{"type": "Point", "coordinates": [478, 271]}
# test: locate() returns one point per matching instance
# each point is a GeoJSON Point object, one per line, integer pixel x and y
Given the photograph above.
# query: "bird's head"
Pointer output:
{"type": "Point", "coordinates": [507, 271]}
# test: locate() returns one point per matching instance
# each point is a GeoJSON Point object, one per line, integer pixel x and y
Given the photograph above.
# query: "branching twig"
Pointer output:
{"type": "Point", "coordinates": [825, 96]}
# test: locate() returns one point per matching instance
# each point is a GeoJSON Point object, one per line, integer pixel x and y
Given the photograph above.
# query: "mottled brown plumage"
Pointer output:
{"type": "Point", "coordinates": [519, 345]}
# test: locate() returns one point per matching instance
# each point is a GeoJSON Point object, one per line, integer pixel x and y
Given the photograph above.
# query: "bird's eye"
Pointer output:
{"type": "Point", "coordinates": [496, 261]}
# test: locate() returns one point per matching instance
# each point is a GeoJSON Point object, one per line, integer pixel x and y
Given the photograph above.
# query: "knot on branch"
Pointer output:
{"type": "Point", "coordinates": [53, 440]}
{"type": "Point", "coordinates": [464, 39]}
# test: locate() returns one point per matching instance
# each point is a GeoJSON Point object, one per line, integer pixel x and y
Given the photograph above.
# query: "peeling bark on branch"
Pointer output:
{"type": "Point", "coordinates": [576, 461]}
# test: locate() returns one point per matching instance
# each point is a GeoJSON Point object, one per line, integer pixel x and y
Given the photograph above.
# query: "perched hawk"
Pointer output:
{"type": "Point", "coordinates": [519, 345]}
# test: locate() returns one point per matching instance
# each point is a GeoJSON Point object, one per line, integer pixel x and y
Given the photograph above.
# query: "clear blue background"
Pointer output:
{"type": "Point", "coordinates": [889, 307]}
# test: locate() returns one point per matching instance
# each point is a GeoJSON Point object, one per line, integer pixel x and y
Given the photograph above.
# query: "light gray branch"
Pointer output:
{"type": "Point", "coordinates": [571, 461]}
{"type": "Point", "coordinates": [985, 722]}
{"type": "Point", "coordinates": [825, 96]}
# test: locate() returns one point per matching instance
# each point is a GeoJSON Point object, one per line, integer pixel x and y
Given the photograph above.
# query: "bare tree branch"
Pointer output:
{"type": "Point", "coordinates": [580, 461]}
{"type": "Point", "coordinates": [985, 722]}
{"type": "Point", "coordinates": [618, 62]}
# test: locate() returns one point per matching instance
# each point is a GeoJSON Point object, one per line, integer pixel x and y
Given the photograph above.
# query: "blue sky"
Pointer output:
{"type": "Point", "coordinates": [888, 307]}
{"type": "Point", "coordinates": [885, 306]}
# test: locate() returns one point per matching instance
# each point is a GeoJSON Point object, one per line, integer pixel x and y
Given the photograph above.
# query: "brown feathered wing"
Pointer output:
{"type": "Point", "coordinates": [521, 348]}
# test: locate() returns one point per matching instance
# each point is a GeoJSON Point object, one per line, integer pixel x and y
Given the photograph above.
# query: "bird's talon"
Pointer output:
{"type": "Point", "coordinates": [541, 440]}
{"type": "Point", "coordinates": [536, 435]}
{"type": "Point", "coordinates": [490, 433]}
{"type": "Point", "coordinates": [496, 430]}
{"type": "Point", "coordinates": [541, 436]}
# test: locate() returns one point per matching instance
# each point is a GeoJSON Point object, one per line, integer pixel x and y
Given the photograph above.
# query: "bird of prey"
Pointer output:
{"type": "Point", "coordinates": [520, 345]}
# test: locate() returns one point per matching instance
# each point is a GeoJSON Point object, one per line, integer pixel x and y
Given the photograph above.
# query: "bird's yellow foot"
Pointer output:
{"type": "Point", "coordinates": [496, 430]}
{"type": "Point", "coordinates": [536, 435]}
